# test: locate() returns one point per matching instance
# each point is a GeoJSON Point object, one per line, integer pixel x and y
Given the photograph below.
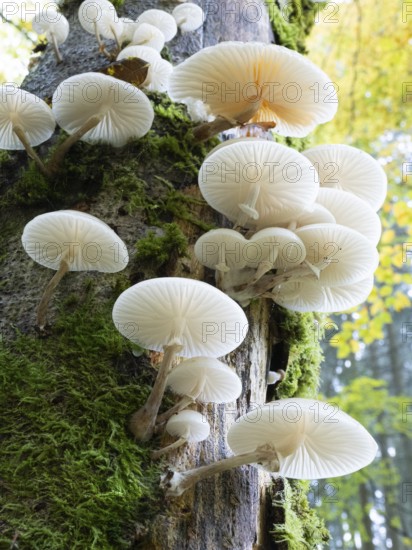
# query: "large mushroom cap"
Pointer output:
{"type": "Point", "coordinates": [169, 310]}
{"type": "Point", "coordinates": [51, 22]}
{"type": "Point", "coordinates": [349, 169]}
{"type": "Point", "coordinates": [216, 382]}
{"type": "Point", "coordinates": [83, 241]}
{"type": "Point", "coordinates": [343, 255]}
{"type": "Point", "coordinates": [282, 178]}
{"type": "Point", "coordinates": [190, 425]}
{"type": "Point", "coordinates": [351, 211]}
{"type": "Point", "coordinates": [313, 439]}
{"type": "Point", "coordinates": [125, 110]}
{"type": "Point", "coordinates": [310, 295]}
{"type": "Point", "coordinates": [255, 82]}
{"type": "Point", "coordinates": [161, 20]}
{"type": "Point", "coordinates": [188, 16]}
{"type": "Point", "coordinates": [32, 114]}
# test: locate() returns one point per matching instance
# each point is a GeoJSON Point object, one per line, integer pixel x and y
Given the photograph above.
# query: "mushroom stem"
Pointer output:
{"type": "Point", "coordinates": [48, 292]}
{"type": "Point", "coordinates": [176, 483]}
{"type": "Point", "coordinates": [61, 152]}
{"type": "Point", "coordinates": [247, 208]}
{"type": "Point", "coordinates": [102, 47]}
{"type": "Point", "coordinates": [116, 39]}
{"type": "Point", "coordinates": [180, 405]}
{"type": "Point", "coordinates": [209, 129]}
{"type": "Point", "coordinates": [57, 53]}
{"type": "Point", "coordinates": [168, 448]}
{"type": "Point", "coordinates": [263, 267]}
{"type": "Point", "coordinates": [143, 421]}
{"type": "Point", "coordinates": [292, 225]}
{"type": "Point", "coordinates": [269, 282]}
{"type": "Point", "coordinates": [18, 130]}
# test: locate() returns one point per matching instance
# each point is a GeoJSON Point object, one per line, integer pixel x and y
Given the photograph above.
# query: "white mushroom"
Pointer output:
{"type": "Point", "coordinates": [159, 71]}
{"type": "Point", "coordinates": [25, 121]}
{"type": "Point", "coordinates": [349, 169]}
{"type": "Point", "coordinates": [150, 36]}
{"type": "Point", "coordinates": [295, 438]}
{"type": "Point", "coordinates": [99, 17]}
{"type": "Point", "coordinates": [188, 426]}
{"type": "Point", "coordinates": [68, 240]}
{"type": "Point", "coordinates": [54, 25]}
{"type": "Point", "coordinates": [257, 182]}
{"type": "Point", "coordinates": [95, 107]}
{"type": "Point", "coordinates": [256, 83]}
{"type": "Point", "coordinates": [129, 28]}
{"type": "Point", "coordinates": [221, 249]}
{"type": "Point", "coordinates": [180, 317]}
{"type": "Point", "coordinates": [202, 379]}
{"type": "Point", "coordinates": [161, 20]}
{"type": "Point", "coordinates": [189, 17]}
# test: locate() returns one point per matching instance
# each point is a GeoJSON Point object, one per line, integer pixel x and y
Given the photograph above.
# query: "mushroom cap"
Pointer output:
{"type": "Point", "coordinates": [127, 112]}
{"type": "Point", "coordinates": [84, 241]}
{"type": "Point", "coordinates": [349, 169]}
{"type": "Point", "coordinates": [188, 424]}
{"type": "Point", "coordinates": [149, 35]}
{"type": "Point", "coordinates": [276, 244]}
{"type": "Point", "coordinates": [161, 20]}
{"type": "Point", "coordinates": [219, 383]}
{"type": "Point", "coordinates": [26, 110]}
{"type": "Point", "coordinates": [310, 295]}
{"type": "Point", "coordinates": [142, 52]}
{"type": "Point", "coordinates": [188, 16]}
{"type": "Point", "coordinates": [129, 27]}
{"type": "Point", "coordinates": [313, 439]}
{"type": "Point", "coordinates": [351, 211]}
{"type": "Point", "coordinates": [343, 255]}
{"type": "Point", "coordinates": [51, 22]}
{"type": "Point", "coordinates": [100, 15]}
{"type": "Point", "coordinates": [316, 214]}
{"type": "Point", "coordinates": [229, 175]}
{"type": "Point", "coordinates": [168, 310]}
{"type": "Point", "coordinates": [256, 82]}
{"type": "Point", "coordinates": [158, 76]}
{"type": "Point", "coordinates": [212, 246]}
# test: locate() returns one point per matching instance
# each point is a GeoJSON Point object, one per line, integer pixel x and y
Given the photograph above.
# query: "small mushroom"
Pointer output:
{"type": "Point", "coordinates": [188, 16]}
{"type": "Point", "coordinates": [221, 249]}
{"type": "Point", "coordinates": [295, 438]}
{"type": "Point", "coordinates": [148, 35]}
{"type": "Point", "coordinates": [255, 83]}
{"type": "Point", "coordinates": [159, 71]}
{"type": "Point", "coordinates": [25, 121]}
{"type": "Point", "coordinates": [99, 17]}
{"type": "Point", "coordinates": [351, 211]}
{"type": "Point", "coordinates": [257, 182]}
{"type": "Point", "coordinates": [161, 20]}
{"type": "Point", "coordinates": [179, 317]}
{"type": "Point", "coordinates": [129, 28]}
{"type": "Point", "coordinates": [275, 376]}
{"type": "Point", "coordinates": [54, 25]}
{"type": "Point", "coordinates": [95, 107]}
{"type": "Point", "coordinates": [349, 169]}
{"type": "Point", "coordinates": [188, 426]}
{"type": "Point", "coordinates": [68, 240]}
{"type": "Point", "coordinates": [202, 379]}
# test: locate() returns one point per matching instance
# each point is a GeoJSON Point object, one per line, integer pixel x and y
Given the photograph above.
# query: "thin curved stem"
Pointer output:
{"type": "Point", "coordinates": [102, 47]}
{"type": "Point", "coordinates": [48, 293]}
{"type": "Point", "coordinates": [143, 421]}
{"type": "Point", "coordinates": [20, 133]}
{"type": "Point", "coordinates": [168, 448]}
{"type": "Point", "coordinates": [57, 53]}
{"type": "Point", "coordinates": [180, 405]}
{"type": "Point", "coordinates": [57, 158]}
{"type": "Point", "coordinates": [178, 482]}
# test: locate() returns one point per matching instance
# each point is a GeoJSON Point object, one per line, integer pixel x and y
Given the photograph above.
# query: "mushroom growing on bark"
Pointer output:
{"type": "Point", "coordinates": [202, 379]}
{"type": "Point", "coordinates": [349, 169]}
{"type": "Point", "coordinates": [68, 240]}
{"type": "Point", "coordinates": [95, 107]}
{"type": "Point", "coordinates": [255, 182]}
{"type": "Point", "coordinates": [25, 121]}
{"type": "Point", "coordinates": [255, 83]}
{"type": "Point", "coordinates": [54, 25]}
{"type": "Point", "coordinates": [188, 426]}
{"type": "Point", "coordinates": [178, 316]}
{"type": "Point", "coordinates": [295, 438]}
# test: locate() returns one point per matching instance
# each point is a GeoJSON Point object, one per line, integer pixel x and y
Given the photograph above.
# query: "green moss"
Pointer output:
{"type": "Point", "coordinates": [293, 22]}
{"type": "Point", "coordinates": [301, 528]}
{"type": "Point", "coordinates": [71, 477]}
{"type": "Point", "coordinates": [157, 252]}
{"type": "Point", "coordinates": [299, 332]}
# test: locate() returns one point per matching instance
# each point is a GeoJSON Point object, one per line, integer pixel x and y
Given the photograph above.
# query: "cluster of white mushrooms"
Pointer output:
{"type": "Point", "coordinates": [304, 232]}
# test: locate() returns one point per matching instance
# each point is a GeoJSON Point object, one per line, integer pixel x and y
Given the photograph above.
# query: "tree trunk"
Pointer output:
{"type": "Point", "coordinates": [228, 511]}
